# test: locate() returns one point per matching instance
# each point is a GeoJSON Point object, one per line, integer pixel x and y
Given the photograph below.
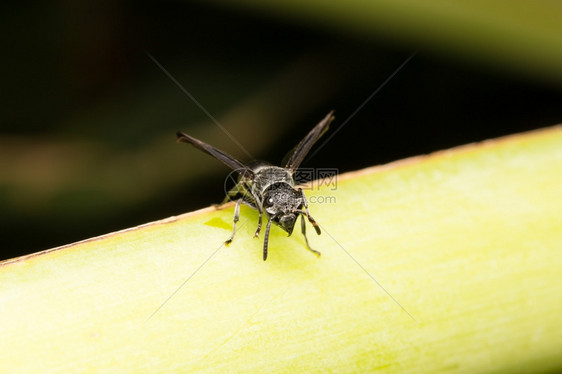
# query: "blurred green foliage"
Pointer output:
{"type": "Point", "coordinates": [87, 139]}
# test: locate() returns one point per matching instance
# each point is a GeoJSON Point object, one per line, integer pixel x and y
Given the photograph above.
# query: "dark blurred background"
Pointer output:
{"type": "Point", "coordinates": [88, 120]}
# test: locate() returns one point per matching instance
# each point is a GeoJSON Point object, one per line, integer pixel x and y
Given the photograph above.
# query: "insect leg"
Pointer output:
{"type": "Point", "coordinates": [310, 219]}
{"type": "Point", "coordinates": [303, 227]}
{"type": "Point", "coordinates": [260, 210]}
{"type": "Point", "coordinates": [266, 239]}
{"type": "Point", "coordinates": [236, 217]}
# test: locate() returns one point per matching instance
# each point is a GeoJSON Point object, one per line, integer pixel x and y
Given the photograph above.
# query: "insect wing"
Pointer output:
{"type": "Point", "coordinates": [297, 154]}
{"type": "Point", "coordinates": [224, 157]}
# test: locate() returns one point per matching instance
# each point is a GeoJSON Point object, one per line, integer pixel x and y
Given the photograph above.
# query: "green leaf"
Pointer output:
{"type": "Point", "coordinates": [446, 262]}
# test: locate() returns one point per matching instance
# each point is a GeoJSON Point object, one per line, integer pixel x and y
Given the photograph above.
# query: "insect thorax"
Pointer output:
{"type": "Point", "coordinates": [267, 175]}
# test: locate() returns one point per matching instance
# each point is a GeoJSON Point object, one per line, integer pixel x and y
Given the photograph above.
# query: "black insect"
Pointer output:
{"type": "Point", "coordinates": [270, 188]}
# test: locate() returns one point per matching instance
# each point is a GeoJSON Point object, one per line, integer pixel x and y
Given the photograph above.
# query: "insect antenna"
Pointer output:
{"type": "Point", "coordinates": [266, 239]}
{"type": "Point", "coordinates": [311, 220]}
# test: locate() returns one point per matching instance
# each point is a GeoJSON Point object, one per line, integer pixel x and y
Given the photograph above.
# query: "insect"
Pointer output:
{"type": "Point", "coordinates": [270, 189]}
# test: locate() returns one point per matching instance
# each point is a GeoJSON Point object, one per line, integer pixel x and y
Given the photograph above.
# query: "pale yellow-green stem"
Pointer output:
{"type": "Point", "coordinates": [468, 243]}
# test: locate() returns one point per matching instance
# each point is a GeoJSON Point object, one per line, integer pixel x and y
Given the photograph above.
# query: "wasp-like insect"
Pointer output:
{"type": "Point", "coordinates": [269, 188]}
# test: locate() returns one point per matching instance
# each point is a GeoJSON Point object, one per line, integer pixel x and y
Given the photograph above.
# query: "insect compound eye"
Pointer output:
{"type": "Point", "coordinates": [268, 202]}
